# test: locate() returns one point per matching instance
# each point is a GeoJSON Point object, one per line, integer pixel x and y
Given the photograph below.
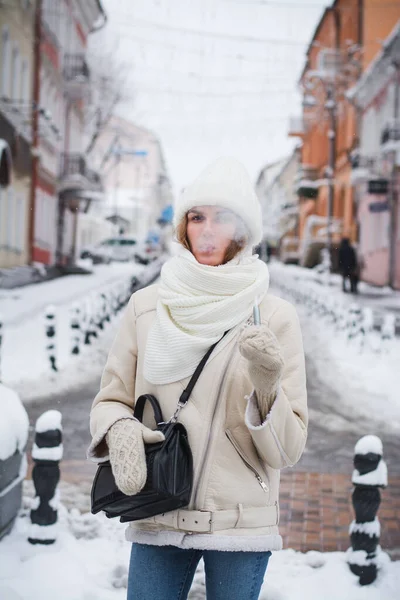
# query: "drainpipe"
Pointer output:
{"type": "Point", "coordinates": [393, 196]}
{"type": "Point", "coordinates": [37, 36]}
{"type": "Point", "coordinates": [331, 105]}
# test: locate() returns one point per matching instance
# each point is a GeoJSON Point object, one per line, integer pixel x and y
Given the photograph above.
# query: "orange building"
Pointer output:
{"type": "Point", "coordinates": [347, 38]}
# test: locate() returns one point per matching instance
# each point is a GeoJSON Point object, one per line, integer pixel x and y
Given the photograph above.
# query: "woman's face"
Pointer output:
{"type": "Point", "coordinates": [210, 230]}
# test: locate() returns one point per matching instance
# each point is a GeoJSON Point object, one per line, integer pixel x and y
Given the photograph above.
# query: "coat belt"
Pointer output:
{"type": "Point", "coordinates": [200, 521]}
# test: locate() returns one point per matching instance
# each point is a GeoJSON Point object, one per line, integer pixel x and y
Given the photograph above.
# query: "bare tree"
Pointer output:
{"type": "Point", "coordinates": [109, 88]}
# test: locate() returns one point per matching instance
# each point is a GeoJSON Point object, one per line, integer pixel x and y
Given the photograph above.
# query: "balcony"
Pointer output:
{"type": "Point", "coordinates": [76, 176]}
{"type": "Point", "coordinates": [390, 137]}
{"type": "Point", "coordinates": [307, 183]}
{"type": "Point", "coordinates": [76, 75]}
{"type": "Point", "coordinates": [362, 167]}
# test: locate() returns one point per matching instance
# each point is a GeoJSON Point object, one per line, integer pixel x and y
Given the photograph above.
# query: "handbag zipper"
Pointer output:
{"type": "Point", "coordinates": [204, 457]}
{"type": "Point", "coordinates": [246, 461]}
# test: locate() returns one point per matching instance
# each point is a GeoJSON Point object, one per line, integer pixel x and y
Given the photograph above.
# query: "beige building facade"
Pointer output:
{"type": "Point", "coordinates": [16, 67]}
{"type": "Point", "coordinates": [136, 183]}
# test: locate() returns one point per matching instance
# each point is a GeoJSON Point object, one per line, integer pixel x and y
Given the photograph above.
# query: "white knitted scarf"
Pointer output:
{"type": "Point", "coordinates": [197, 304]}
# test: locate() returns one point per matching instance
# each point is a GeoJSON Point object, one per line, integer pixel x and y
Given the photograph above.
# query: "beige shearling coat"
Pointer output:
{"type": "Point", "coordinates": [237, 459]}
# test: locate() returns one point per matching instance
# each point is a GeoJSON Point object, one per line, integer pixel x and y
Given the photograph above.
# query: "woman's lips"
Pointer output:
{"type": "Point", "coordinates": [206, 248]}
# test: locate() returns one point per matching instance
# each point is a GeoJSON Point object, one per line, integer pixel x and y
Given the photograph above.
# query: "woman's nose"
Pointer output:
{"type": "Point", "coordinates": [208, 227]}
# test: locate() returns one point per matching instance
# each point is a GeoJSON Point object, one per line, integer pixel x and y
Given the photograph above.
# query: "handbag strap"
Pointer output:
{"type": "Point", "coordinates": [184, 397]}
{"type": "Point", "coordinates": [140, 404]}
{"type": "Point", "coordinates": [193, 380]}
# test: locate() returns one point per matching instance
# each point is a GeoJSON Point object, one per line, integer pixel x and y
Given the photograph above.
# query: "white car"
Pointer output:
{"type": "Point", "coordinates": [121, 249]}
{"type": "Point", "coordinates": [147, 252]}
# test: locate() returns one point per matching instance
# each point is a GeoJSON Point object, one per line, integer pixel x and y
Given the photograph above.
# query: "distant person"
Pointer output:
{"type": "Point", "coordinates": [348, 266]}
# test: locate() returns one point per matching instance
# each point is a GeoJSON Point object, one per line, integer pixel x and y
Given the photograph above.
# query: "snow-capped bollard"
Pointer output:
{"type": "Point", "coordinates": [388, 328]}
{"type": "Point", "coordinates": [101, 311]}
{"type": "Point", "coordinates": [76, 334]}
{"type": "Point", "coordinates": [114, 303]}
{"type": "Point", "coordinates": [354, 323]}
{"type": "Point", "coordinates": [47, 452]}
{"type": "Point", "coordinates": [50, 324]}
{"type": "Point", "coordinates": [367, 329]}
{"type": "Point", "coordinates": [89, 322]}
{"type": "Point", "coordinates": [370, 474]}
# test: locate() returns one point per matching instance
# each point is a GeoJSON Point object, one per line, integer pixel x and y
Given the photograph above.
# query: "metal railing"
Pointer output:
{"type": "Point", "coordinates": [76, 69]}
{"type": "Point", "coordinates": [358, 161]}
{"type": "Point", "coordinates": [75, 164]}
{"type": "Point", "coordinates": [391, 132]}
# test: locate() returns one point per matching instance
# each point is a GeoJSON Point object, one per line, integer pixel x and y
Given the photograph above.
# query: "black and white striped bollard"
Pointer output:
{"type": "Point", "coordinates": [47, 452]}
{"type": "Point", "coordinates": [76, 334]}
{"type": "Point", "coordinates": [370, 474]}
{"type": "Point", "coordinates": [51, 348]}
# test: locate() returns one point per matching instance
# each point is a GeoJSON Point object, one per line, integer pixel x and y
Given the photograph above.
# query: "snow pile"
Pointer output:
{"type": "Point", "coordinates": [14, 423]}
{"type": "Point", "coordinates": [90, 559]}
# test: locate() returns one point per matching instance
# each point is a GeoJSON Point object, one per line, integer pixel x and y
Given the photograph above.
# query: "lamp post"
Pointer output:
{"type": "Point", "coordinates": [330, 106]}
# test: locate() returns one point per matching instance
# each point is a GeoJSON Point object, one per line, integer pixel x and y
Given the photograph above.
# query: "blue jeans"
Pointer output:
{"type": "Point", "coordinates": [167, 572]}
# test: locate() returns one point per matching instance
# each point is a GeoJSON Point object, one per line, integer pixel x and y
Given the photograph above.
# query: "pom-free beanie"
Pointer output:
{"type": "Point", "coordinates": [225, 183]}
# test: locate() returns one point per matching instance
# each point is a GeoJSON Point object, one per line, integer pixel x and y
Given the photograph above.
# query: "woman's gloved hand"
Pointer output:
{"type": "Point", "coordinates": [125, 440]}
{"type": "Point", "coordinates": [261, 348]}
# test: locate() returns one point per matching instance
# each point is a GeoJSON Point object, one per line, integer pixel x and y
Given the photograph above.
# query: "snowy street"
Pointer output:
{"type": "Point", "coordinates": [244, 157]}
{"type": "Point", "coordinates": [335, 426]}
{"type": "Point", "coordinates": [340, 412]}
{"type": "Point", "coordinates": [333, 429]}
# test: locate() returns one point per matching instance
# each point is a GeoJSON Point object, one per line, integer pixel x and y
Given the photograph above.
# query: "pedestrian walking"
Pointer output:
{"type": "Point", "coordinates": [348, 266]}
{"type": "Point", "coordinates": [246, 417]}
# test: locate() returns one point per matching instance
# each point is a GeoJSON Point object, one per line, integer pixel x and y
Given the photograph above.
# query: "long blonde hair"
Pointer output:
{"type": "Point", "coordinates": [235, 246]}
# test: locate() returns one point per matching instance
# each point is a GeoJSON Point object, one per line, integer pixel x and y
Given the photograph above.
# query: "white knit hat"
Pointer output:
{"type": "Point", "coordinates": [225, 183]}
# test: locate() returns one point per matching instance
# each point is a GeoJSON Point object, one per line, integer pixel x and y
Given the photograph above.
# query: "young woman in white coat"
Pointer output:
{"type": "Point", "coordinates": [247, 416]}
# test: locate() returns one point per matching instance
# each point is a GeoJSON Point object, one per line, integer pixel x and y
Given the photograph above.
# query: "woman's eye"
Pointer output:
{"type": "Point", "coordinates": [195, 218]}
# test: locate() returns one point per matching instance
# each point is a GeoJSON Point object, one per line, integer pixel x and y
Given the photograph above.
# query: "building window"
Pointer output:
{"type": "Point", "coordinates": [25, 82]}
{"type": "Point", "coordinates": [5, 61]}
{"type": "Point", "coordinates": [10, 219]}
{"type": "Point", "coordinates": [15, 75]}
{"type": "Point", "coordinates": [3, 209]}
{"type": "Point", "coordinates": [19, 225]}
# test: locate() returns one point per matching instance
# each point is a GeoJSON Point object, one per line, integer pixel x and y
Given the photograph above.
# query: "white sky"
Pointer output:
{"type": "Point", "coordinates": [209, 95]}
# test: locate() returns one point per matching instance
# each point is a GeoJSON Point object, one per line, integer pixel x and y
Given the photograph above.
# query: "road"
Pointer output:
{"type": "Point", "coordinates": [331, 439]}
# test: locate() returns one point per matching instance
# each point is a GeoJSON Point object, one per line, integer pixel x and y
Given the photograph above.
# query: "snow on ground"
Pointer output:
{"type": "Point", "coordinates": [378, 298]}
{"type": "Point", "coordinates": [366, 382]}
{"type": "Point", "coordinates": [90, 558]}
{"type": "Point", "coordinates": [24, 359]}
{"type": "Point", "coordinates": [75, 374]}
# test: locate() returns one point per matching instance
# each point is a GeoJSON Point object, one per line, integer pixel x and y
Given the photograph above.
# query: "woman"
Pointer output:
{"type": "Point", "coordinates": [247, 415]}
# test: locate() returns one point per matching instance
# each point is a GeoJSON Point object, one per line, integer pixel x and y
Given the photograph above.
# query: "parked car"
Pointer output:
{"type": "Point", "coordinates": [147, 252]}
{"type": "Point", "coordinates": [121, 249]}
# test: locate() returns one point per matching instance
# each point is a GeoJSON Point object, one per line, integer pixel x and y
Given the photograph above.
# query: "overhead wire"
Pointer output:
{"type": "Point", "coordinates": [210, 34]}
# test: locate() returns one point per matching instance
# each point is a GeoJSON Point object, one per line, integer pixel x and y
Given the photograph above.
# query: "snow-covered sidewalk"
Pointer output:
{"type": "Point", "coordinates": [366, 381]}
{"type": "Point", "coordinates": [90, 561]}
{"type": "Point", "coordinates": [379, 299]}
{"type": "Point", "coordinates": [23, 353]}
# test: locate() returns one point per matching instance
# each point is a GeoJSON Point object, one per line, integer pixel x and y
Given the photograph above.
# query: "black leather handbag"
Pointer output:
{"type": "Point", "coordinates": [169, 467]}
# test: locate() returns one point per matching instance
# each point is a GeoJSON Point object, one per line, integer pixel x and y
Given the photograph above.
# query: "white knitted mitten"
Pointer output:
{"type": "Point", "coordinates": [125, 440]}
{"type": "Point", "coordinates": [260, 347]}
